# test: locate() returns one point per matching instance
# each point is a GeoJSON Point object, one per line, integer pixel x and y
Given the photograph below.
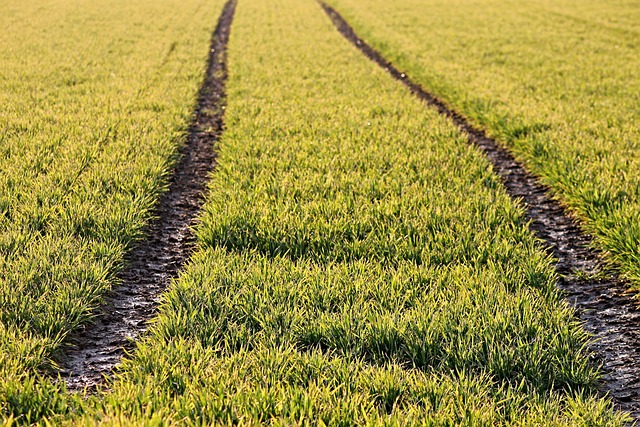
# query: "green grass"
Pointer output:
{"type": "Point", "coordinates": [554, 81]}
{"type": "Point", "coordinates": [358, 263]}
{"type": "Point", "coordinates": [96, 97]}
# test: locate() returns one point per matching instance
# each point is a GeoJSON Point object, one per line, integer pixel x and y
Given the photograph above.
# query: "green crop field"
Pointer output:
{"type": "Point", "coordinates": [358, 263]}
{"type": "Point", "coordinates": [557, 81]}
{"type": "Point", "coordinates": [95, 97]}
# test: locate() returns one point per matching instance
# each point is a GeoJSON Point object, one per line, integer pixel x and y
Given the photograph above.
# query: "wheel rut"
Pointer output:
{"type": "Point", "coordinates": [152, 263]}
{"type": "Point", "coordinates": [603, 301]}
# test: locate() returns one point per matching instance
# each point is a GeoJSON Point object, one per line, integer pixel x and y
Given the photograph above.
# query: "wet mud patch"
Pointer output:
{"type": "Point", "coordinates": [152, 263]}
{"type": "Point", "coordinates": [604, 303]}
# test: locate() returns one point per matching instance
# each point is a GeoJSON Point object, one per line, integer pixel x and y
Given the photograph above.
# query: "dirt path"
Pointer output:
{"type": "Point", "coordinates": [152, 264]}
{"type": "Point", "coordinates": [604, 304]}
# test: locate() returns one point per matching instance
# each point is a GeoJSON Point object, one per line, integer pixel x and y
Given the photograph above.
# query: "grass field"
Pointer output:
{"type": "Point", "coordinates": [555, 81]}
{"type": "Point", "coordinates": [95, 96]}
{"type": "Point", "coordinates": [358, 262]}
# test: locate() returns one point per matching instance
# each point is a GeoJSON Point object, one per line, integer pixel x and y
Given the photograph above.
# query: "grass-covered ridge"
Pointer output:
{"type": "Point", "coordinates": [554, 81]}
{"type": "Point", "coordinates": [359, 264]}
{"type": "Point", "coordinates": [96, 97]}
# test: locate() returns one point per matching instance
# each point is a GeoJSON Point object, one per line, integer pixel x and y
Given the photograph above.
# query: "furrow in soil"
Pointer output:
{"type": "Point", "coordinates": [153, 262]}
{"type": "Point", "coordinates": [603, 301]}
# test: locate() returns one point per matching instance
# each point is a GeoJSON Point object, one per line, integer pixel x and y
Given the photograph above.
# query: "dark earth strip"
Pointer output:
{"type": "Point", "coordinates": [603, 301]}
{"type": "Point", "coordinates": [169, 242]}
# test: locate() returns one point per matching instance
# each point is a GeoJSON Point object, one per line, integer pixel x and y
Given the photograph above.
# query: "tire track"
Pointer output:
{"type": "Point", "coordinates": [151, 264]}
{"type": "Point", "coordinates": [603, 302]}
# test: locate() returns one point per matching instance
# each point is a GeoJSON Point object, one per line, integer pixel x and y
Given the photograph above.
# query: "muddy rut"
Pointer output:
{"type": "Point", "coordinates": [153, 262]}
{"type": "Point", "coordinates": [603, 301]}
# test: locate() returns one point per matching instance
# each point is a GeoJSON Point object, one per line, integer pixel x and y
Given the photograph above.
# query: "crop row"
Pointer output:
{"type": "Point", "coordinates": [96, 96]}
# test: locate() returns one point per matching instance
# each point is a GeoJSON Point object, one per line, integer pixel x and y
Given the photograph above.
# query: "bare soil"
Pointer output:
{"type": "Point", "coordinates": [155, 261]}
{"type": "Point", "coordinates": [604, 302]}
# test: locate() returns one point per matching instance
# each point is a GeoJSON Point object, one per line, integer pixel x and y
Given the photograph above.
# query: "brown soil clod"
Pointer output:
{"type": "Point", "coordinates": [603, 302]}
{"type": "Point", "coordinates": [169, 241]}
